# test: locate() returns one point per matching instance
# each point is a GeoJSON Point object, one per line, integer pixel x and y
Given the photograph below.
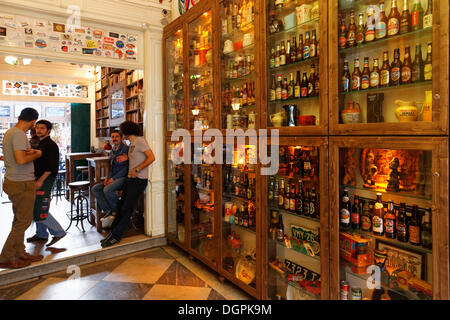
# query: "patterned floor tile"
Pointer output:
{"type": "Point", "coordinates": [139, 270]}
{"type": "Point", "coordinates": [157, 253]}
{"type": "Point", "coordinates": [178, 275]}
{"type": "Point", "coordinates": [168, 292]}
{"type": "Point", "coordinates": [105, 290]}
{"type": "Point", "coordinates": [12, 292]}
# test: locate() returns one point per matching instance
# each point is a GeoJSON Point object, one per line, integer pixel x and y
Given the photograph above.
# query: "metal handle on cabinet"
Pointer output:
{"type": "Point", "coordinates": [436, 174]}
{"type": "Point", "coordinates": [437, 96]}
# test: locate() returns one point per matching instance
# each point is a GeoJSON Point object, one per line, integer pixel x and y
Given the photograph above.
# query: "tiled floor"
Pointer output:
{"type": "Point", "coordinates": [164, 273]}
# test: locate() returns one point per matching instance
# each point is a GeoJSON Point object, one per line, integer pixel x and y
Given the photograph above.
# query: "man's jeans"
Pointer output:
{"type": "Point", "coordinates": [52, 225]}
{"type": "Point", "coordinates": [106, 196]}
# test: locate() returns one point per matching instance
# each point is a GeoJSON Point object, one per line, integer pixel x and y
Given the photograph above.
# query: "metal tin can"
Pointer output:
{"type": "Point", "coordinates": [345, 290]}
{"type": "Point", "coordinates": [356, 293]}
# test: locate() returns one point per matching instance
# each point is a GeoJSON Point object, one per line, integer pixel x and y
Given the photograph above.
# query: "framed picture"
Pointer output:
{"type": "Point", "coordinates": [410, 261]}
{"type": "Point", "coordinates": [54, 112]}
{"type": "Point", "coordinates": [5, 111]}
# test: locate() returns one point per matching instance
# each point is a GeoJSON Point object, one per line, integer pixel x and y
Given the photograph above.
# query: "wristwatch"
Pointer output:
{"type": "Point", "coordinates": [136, 170]}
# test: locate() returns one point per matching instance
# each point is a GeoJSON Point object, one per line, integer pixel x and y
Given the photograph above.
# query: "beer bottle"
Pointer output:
{"type": "Point", "coordinates": [360, 30]}
{"type": "Point", "coordinates": [396, 67]}
{"type": "Point", "coordinates": [426, 230]}
{"type": "Point", "coordinates": [389, 221]}
{"type": "Point", "coordinates": [307, 47]}
{"type": "Point", "coordinates": [366, 219]}
{"type": "Point", "coordinates": [428, 66]}
{"type": "Point", "coordinates": [417, 67]}
{"type": "Point", "coordinates": [365, 76]}
{"type": "Point", "coordinates": [345, 80]}
{"type": "Point", "coordinates": [382, 23]}
{"type": "Point", "coordinates": [273, 95]}
{"type": "Point", "coordinates": [280, 229]}
{"type": "Point", "coordinates": [393, 20]}
{"type": "Point", "coordinates": [369, 34]}
{"type": "Point", "coordinates": [304, 86]}
{"type": "Point", "coordinates": [428, 16]}
{"type": "Point", "coordinates": [402, 224]}
{"type": "Point", "coordinates": [351, 33]}
{"type": "Point", "coordinates": [405, 19]}
{"type": "Point", "coordinates": [414, 227]}
{"type": "Point", "coordinates": [270, 193]}
{"type": "Point", "coordinates": [307, 165]}
{"type": "Point", "coordinates": [342, 38]}
{"type": "Point", "coordinates": [287, 196]}
{"type": "Point", "coordinates": [356, 76]}
{"type": "Point", "coordinates": [344, 213]}
{"type": "Point", "coordinates": [385, 71]}
{"type": "Point", "coordinates": [282, 54]}
{"type": "Point", "coordinates": [291, 87]}
{"type": "Point", "coordinates": [311, 82]}
{"type": "Point", "coordinates": [272, 58]}
{"type": "Point", "coordinates": [313, 45]}
{"type": "Point", "coordinates": [299, 198]}
{"type": "Point", "coordinates": [406, 67]}
{"type": "Point", "coordinates": [300, 48]}
{"type": "Point", "coordinates": [281, 195]}
{"type": "Point", "coordinates": [306, 203]}
{"type": "Point", "coordinates": [312, 203]}
{"type": "Point", "coordinates": [417, 16]}
{"type": "Point", "coordinates": [292, 198]}
{"type": "Point", "coordinates": [278, 90]}
{"type": "Point", "coordinates": [288, 52]}
{"type": "Point", "coordinates": [378, 214]}
{"type": "Point", "coordinates": [275, 194]}
{"type": "Point", "coordinates": [375, 74]}
{"type": "Point", "coordinates": [317, 82]}
{"type": "Point", "coordinates": [277, 56]}
{"type": "Point", "coordinates": [294, 50]}
{"type": "Point", "coordinates": [297, 86]}
{"type": "Point", "coordinates": [356, 214]}
{"type": "Point", "coordinates": [284, 90]}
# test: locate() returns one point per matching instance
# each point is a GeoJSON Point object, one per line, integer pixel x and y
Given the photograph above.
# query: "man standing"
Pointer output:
{"type": "Point", "coordinates": [105, 192]}
{"type": "Point", "coordinates": [45, 171]}
{"type": "Point", "coordinates": [19, 185]}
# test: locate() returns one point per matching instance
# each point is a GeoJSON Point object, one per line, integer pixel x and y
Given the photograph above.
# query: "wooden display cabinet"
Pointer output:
{"type": "Point", "coordinates": [421, 178]}
{"type": "Point", "coordinates": [275, 253]}
{"type": "Point", "coordinates": [381, 112]}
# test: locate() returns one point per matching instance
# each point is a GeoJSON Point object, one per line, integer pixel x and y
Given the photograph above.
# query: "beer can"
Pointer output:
{"type": "Point", "coordinates": [356, 293]}
{"type": "Point", "coordinates": [345, 290]}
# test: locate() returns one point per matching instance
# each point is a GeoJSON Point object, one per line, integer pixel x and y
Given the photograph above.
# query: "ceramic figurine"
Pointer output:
{"type": "Point", "coordinates": [371, 171]}
{"type": "Point", "coordinates": [350, 166]}
{"type": "Point", "coordinates": [394, 176]}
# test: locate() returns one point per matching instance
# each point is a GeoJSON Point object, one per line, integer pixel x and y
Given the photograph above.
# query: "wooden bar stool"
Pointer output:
{"type": "Point", "coordinates": [81, 202]}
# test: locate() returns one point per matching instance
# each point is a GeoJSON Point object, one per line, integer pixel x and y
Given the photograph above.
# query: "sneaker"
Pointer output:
{"type": "Point", "coordinates": [35, 238]}
{"type": "Point", "coordinates": [110, 242]}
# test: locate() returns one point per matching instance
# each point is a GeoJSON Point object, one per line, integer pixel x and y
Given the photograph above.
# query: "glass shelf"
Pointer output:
{"type": "Point", "coordinates": [295, 64]}
{"type": "Point", "coordinates": [293, 249]}
{"type": "Point", "coordinates": [383, 89]}
{"type": "Point", "coordinates": [292, 30]}
{"type": "Point", "coordinates": [251, 75]}
{"type": "Point", "coordinates": [294, 100]}
{"type": "Point", "coordinates": [240, 31]}
{"type": "Point", "coordinates": [240, 227]}
{"type": "Point", "coordinates": [351, 4]}
{"type": "Point", "coordinates": [316, 220]}
{"type": "Point", "coordinates": [388, 193]}
{"type": "Point", "coordinates": [240, 50]}
{"type": "Point", "coordinates": [238, 198]}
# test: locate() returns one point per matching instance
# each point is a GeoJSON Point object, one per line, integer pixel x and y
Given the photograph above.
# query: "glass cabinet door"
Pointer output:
{"type": "Point", "coordinates": [239, 224]}
{"type": "Point", "coordinates": [293, 220]}
{"type": "Point", "coordinates": [174, 86]}
{"type": "Point", "coordinates": [201, 72]}
{"type": "Point", "coordinates": [237, 67]}
{"type": "Point", "coordinates": [175, 192]}
{"type": "Point", "coordinates": [203, 234]}
{"type": "Point", "coordinates": [385, 76]}
{"type": "Point", "coordinates": [293, 50]}
{"type": "Point", "coordinates": [387, 222]}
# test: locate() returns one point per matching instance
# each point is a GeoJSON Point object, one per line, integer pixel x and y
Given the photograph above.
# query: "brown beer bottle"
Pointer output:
{"type": "Point", "coordinates": [282, 54]}
{"type": "Point", "coordinates": [300, 48]}
{"type": "Point", "coordinates": [381, 27]}
{"type": "Point", "coordinates": [342, 38]}
{"type": "Point", "coordinates": [407, 67]}
{"type": "Point", "coordinates": [428, 66]}
{"type": "Point", "coordinates": [351, 34]}
{"type": "Point", "coordinates": [369, 34]}
{"type": "Point", "coordinates": [360, 30]}
{"type": "Point", "coordinates": [297, 86]}
{"type": "Point", "coordinates": [414, 227]}
{"type": "Point", "coordinates": [311, 81]}
{"type": "Point", "coordinates": [417, 67]}
{"type": "Point", "coordinates": [288, 52]}
{"type": "Point", "coordinates": [304, 86]}
{"type": "Point", "coordinates": [365, 76]}
{"type": "Point", "coordinates": [405, 19]}
{"type": "Point", "coordinates": [375, 74]}
{"type": "Point", "coordinates": [385, 71]}
{"type": "Point", "coordinates": [294, 50]}
{"type": "Point", "coordinates": [396, 68]}
{"type": "Point", "coordinates": [389, 221]}
{"type": "Point", "coordinates": [378, 215]}
{"type": "Point", "coordinates": [317, 82]}
{"type": "Point", "coordinates": [393, 20]}
{"type": "Point", "coordinates": [356, 77]}
{"type": "Point", "coordinates": [345, 80]}
{"type": "Point", "coordinates": [313, 45]}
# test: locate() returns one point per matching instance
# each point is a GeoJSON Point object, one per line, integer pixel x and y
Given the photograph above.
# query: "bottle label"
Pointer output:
{"type": "Point", "coordinates": [356, 82]}
{"type": "Point", "coordinates": [395, 74]}
{"type": "Point", "coordinates": [280, 200]}
{"type": "Point", "coordinates": [370, 35]}
{"type": "Point", "coordinates": [377, 224]}
{"type": "Point", "coordinates": [393, 27]}
{"type": "Point", "coordinates": [415, 18]}
{"type": "Point", "coordinates": [414, 234]}
{"type": "Point", "coordinates": [282, 60]}
{"type": "Point", "coordinates": [278, 93]}
{"type": "Point", "coordinates": [272, 62]}
{"type": "Point", "coordinates": [366, 223]}
{"type": "Point", "coordinates": [304, 91]}
{"type": "Point", "coordinates": [428, 21]}
{"type": "Point", "coordinates": [342, 41]}
{"type": "Point", "coordinates": [428, 71]}
{"type": "Point", "coordinates": [345, 84]}
{"type": "Point", "coordinates": [374, 79]}
{"type": "Point", "coordinates": [406, 74]}
{"type": "Point", "coordinates": [299, 205]}
{"type": "Point", "coordinates": [273, 95]}
{"type": "Point", "coordinates": [351, 38]}
{"type": "Point", "coordinates": [306, 52]}
{"type": "Point", "coordinates": [345, 216]}
{"type": "Point", "coordinates": [297, 92]}
{"type": "Point", "coordinates": [312, 208]}
{"type": "Point", "coordinates": [284, 94]}
{"type": "Point", "coordinates": [401, 229]}
{"type": "Point", "coordinates": [307, 165]}
{"type": "Point", "coordinates": [384, 77]}
{"type": "Point", "coordinates": [381, 30]}
{"type": "Point", "coordinates": [359, 38]}
{"type": "Point", "coordinates": [389, 225]}
{"type": "Point", "coordinates": [365, 82]}
{"type": "Point", "coordinates": [355, 217]}
{"type": "Point", "coordinates": [292, 204]}
{"type": "Point", "coordinates": [310, 88]}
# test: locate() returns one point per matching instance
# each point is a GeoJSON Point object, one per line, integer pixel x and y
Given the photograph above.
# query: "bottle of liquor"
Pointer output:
{"type": "Point", "coordinates": [281, 195]}
{"type": "Point", "coordinates": [307, 164]}
{"type": "Point", "coordinates": [375, 74]}
{"type": "Point", "coordinates": [381, 27]}
{"type": "Point", "coordinates": [292, 198]}
{"type": "Point", "coordinates": [311, 81]}
{"type": "Point", "coordinates": [385, 74]}
{"type": "Point", "coordinates": [417, 16]}
{"type": "Point", "coordinates": [365, 76]}
{"type": "Point", "coordinates": [300, 48]}
{"type": "Point", "coordinates": [428, 16]}
{"type": "Point", "coordinates": [291, 87]}
{"type": "Point", "coordinates": [287, 196]}
{"type": "Point", "coordinates": [278, 90]}
{"type": "Point", "coordinates": [277, 56]}
{"type": "Point", "coordinates": [414, 227]}
{"type": "Point", "coordinates": [389, 221]}
{"type": "Point", "coordinates": [317, 83]}
{"type": "Point", "coordinates": [356, 76]}
{"type": "Point", "coordinates": [275, 194]}
{"type": "Point", "coordinates": [426, 230]}
{"type": "Point", "coordinates": [313, 212]}
{"type": "Point", "coordinates": [345, 80]}
{"type": "Point", "coordinates": [406, 67]}
{"type": "Point", "coordinates": [356, 213]}
{"type": "Point", "coordinates": [393, 20]}
{"type": "Point", "coordinates": [273, 95]}
{"type": "Point", "coordinates": [402, 224]}
{"type": "Point", "coordinates": [288, 52]}
{"type": "Point", "coordinates": [396, 68]}
{"type": "Point", "coordinates": [282, 54]}
{"type": "Point", "coordinates": [280, 229]}
{"type": "Point", "coordinates": [378, 214]}
{"type": "Point", "coordinates": [272, 58]}
{"type": "Point", "coordinates": [345, 210]}
{"type": "Point", "coordinates": [306, 202]}
{"type": "Point", "coordinates": [360, 30]}
{"type": "Point", "coordinates": [299, 198]}
{"type": "Point", "coordinates": [297, 86]}
{"type": "Point", "coordinates": [428, 66]}
{"type": "Point", "coordinates": [366, 219]}
{"type": "Point", "coordinates": [284, 90]}
{"type": "Point", "coordinates": [306, 47]}
{"type": "Point", "coordinates": [417, 67]}
{"type": "Point", "coordinates": [342, 38]}
{"type": "Point", "coordinates": [351, 33]}
{"type": "Point", "coordinates": [369, 34]}
{"type": "Point", "coordinates": [313, 45]}
{"type": "Point", "coordinates": [405, 19]}
{"type": "Point", "coordinates": [304, 86]}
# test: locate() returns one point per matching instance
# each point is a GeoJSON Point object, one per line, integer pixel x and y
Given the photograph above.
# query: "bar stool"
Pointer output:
{"type": "Point", "coordinates": [81, 203]}
{"type": "Point", "coordinates": [60, 185]}
{"type": "Point", "coordinates": [82, 170]}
